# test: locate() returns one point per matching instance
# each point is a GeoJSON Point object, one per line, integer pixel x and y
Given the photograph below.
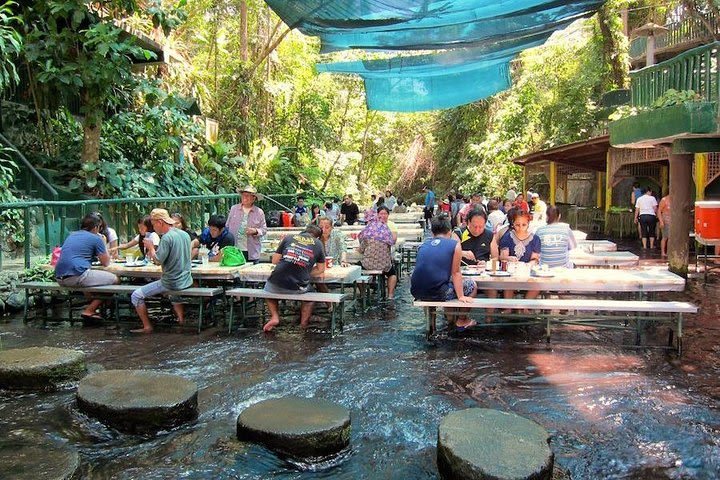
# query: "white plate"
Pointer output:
{"type": "Point", "coordinates": [499, 273]}
{"type": "Point", "coordinates": [542, 274]}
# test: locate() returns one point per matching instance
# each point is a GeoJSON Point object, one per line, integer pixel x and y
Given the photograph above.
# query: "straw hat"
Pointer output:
{"type": "Point", "coordinates": [252, 190]}
{"type": "Point", "coordinates": [162, 214]}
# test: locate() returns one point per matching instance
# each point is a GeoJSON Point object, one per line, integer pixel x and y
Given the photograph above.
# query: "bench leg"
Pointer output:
{"type": "Point", "coordinates": [547, 330]}
{"type": "Point", "coordinates": [679, 334]}
{"type": "Point", "coordinates": [342, 316]}
{"type": "Point", "coordinates": [201, 315]}
{"type": "Point", "coordinates": [26, 306]}
{"type": "Point", "coordinates": [232, 315]}
{"type": "Point", "coordinates": [332, 323]}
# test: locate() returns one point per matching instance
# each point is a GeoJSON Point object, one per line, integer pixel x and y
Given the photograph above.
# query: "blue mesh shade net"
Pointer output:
{"type": "Point", "coordinates": [476, 40]}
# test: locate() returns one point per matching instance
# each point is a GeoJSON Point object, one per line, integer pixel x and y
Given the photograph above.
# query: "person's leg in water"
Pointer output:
{"type": "Point", "coordinates": [306, 309]}
{"type": "Point", "coordinates": [463, 321]}
{"type": "Point", "coordinates": [274, 315]}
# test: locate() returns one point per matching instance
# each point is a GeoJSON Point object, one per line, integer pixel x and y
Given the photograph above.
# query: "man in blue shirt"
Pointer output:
{"type": "Point", "coordinates": [429, 205]}
{"type": "Point", "coordinates": [73, 266]}
{"type": "Point", "coordinates": [215, 237]}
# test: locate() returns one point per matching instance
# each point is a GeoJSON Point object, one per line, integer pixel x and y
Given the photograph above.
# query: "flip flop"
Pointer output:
{"type": "Point", "coordinates": [92, 318]}
{"type": "Point", "coordinates": [465, 327]}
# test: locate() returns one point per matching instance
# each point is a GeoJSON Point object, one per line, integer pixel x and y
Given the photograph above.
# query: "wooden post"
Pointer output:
{"type": "Point", "coordinates": [599, 189]}
{"type": "Point", "coordinates": [565, 189]}
{"type": "Point", "coordinates": [700, 175]}
{"type": "Point", "coordinates": [664, 180]}
{"type": "Point", "coordinates": [680, 204]}
{"type": "Point", "coordinates": [608, 191]}
{"type": "Point", "coordinates": [525, 181]}
{"type": "Point", "coordinates": [553, 183]}
{"type": "Point", "coordinates": [650, 50]}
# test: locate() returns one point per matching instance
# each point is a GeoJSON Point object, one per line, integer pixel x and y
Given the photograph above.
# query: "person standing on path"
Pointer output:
{"type": "Point", "coordinates": [173, 254]}
{"type": "Point", "coordinates": [646, 215]}
{"type": "Point", "coordinates": [664, 219]}
{"type": "Point", "coordinates": [429, 208]}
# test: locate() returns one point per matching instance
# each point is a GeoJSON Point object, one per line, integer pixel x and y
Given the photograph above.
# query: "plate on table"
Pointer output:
{"type": "Point", "coordinates": [499, 273]}
{"type": "Point", "coordinates": [542, 273]}
{"type": "Point", "coordinates": [471, 271]}
{"type": "Point", "coordinates": [197, 261]}
{"type": "Point", "coordinates": [135, 264]}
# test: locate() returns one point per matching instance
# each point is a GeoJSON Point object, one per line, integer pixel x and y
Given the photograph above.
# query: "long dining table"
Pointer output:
{"type": "Point", "coordinates": [211, 271]}
{"type": "Point", "coordinates": [601, 280]}
{"type": "Point", "coordinates": [260, 273]}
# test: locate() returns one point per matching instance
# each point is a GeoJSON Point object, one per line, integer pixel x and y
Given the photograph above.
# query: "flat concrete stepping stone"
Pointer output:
{"type": "Point", "coordinates": [479, 443]}
{"type": "Point", "coordinates": [138, 401]}
{"type": "Point", "coordinates": [26, 455]}
{"type": "Point", "coordinates": [299, 427]}
{"type": "Point", "coordinates": [40, 368]}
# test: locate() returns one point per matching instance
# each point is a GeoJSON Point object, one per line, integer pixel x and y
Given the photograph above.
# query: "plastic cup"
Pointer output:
{"type": "Point", "coordinates": [205, 261]}
{"type": "Point", "coordinates": [129, 259]}
{"type": "Point", "coordinates": [328, 262]}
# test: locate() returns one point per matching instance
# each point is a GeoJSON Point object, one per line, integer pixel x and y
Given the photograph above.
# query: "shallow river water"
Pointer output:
{"type": "Point", "coordinates": [613, 412]}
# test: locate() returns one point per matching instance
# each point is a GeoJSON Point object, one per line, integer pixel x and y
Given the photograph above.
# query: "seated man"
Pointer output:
{"type": "Point", "coordinates": [301, 215]}
{"type": "Point", "coordinates": [174, 256]}
{"type": "Point", "coordinates": [437, 270]}
{"type": "Point", "coordinates": [215, 237]}
{"type": "Point", "coordinates": [474, 238]}
{"type": "Point", "coordinates": [556, 240]}
{"type": "Point", "coordinates": [296, 258]}
{"type": "Point", "coordinates": [73, 266]}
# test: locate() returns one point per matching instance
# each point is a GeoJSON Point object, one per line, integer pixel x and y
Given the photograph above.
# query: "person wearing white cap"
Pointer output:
{"type": "Point", "coordinates": [247, 224]}
{"type": "Point", "coordinates": [539, 208]}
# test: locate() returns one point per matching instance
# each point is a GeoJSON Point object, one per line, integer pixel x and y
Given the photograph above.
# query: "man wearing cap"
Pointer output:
{"type": "Point", "coordinates": [539, 208]}
{"type": "Point", "coordinates": [173, 254]}
{"type": "Point", "coordinates": [246, 223]}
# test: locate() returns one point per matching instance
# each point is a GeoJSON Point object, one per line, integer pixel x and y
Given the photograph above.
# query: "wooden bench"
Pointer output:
{"type": "Point", "coordinates": [244, 293]}
{"type": "Point", "coordinates": [376, 277]}
{"type": "Point", "coordinates": [571, 305]}
{"type": "Point", "coordinates": [115, 291]}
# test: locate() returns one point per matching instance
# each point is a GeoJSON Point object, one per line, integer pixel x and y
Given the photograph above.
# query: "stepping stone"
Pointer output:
{"type": "Point", "coordinates": [40, 368]}
{"type": "Point", "coordinates": [480, 443]}
{"type": "Point", "coordinates": [26, 455]}
{"type": "Point", "coordinates": [138, 401]}
{"type": "Point", "coordinates": [299, 427]}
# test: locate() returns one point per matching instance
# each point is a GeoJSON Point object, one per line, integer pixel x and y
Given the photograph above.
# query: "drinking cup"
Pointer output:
{"type": "Point", "coordinates": [328, 262]}
{"type": "Point", "coordinates": [205, 260]}
{"type": "Point", "coordinates": [129, 259]}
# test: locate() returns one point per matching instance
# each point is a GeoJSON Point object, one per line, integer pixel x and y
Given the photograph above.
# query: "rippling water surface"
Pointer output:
{"type": "Point", "coordinates": [613, 412]}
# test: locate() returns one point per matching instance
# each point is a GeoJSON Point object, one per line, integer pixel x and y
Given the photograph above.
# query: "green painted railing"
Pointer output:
{"type": "Point", "coordinates": [688, 30]}
{"type": "Point", "coordinates": [696, 69]}
{"type": "Point", "coordinates": [55, 219]}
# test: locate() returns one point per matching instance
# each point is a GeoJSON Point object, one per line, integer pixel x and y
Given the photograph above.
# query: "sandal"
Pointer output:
{"type": "Point", "coordinates": [465, 327]}
{"type": "Point", "coordinates": [94, 318]}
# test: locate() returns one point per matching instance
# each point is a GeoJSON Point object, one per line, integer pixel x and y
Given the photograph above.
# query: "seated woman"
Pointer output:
{"type": "Point", "coordinates": [376, 239]}
{"type": "Point", "coordinates": [315, 214]}
{"type": "Point", "coordinates": [437, 270]}
{"type": "Point", "coordinates": [400, 207]}
{"type": "Point", "coordinates": [556, 240]}
{"type": "Point", "coordinates": [181, 223]}
{"type": "Point", "coordinates": [520, 203]}
{"type": "Point", "coordinates": [519, 245]}
{"type": "Point", "coordinates": [108, 234]}
{"type": "Point", "coordinates": [335, 247]}
{"type": "Point", "coordinates": [145, 230]}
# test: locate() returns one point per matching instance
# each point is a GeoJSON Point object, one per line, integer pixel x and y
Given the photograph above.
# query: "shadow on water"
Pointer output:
{"type": "Point", "coordinates": [613, 412]}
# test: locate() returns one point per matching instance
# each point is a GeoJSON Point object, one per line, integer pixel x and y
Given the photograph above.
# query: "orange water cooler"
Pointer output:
{"type": "Point", "coordinates": [286, 218]}
{"type": "Point", "coordinates": [707, 220]}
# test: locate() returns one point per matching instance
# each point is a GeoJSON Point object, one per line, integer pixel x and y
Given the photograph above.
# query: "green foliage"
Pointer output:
{"type": "Point", "coordinates": [39, 272]}
{"type": "Point", "coordinates": [670, 98]}
{"type": "Point", "coordinates": [9, 219]}
{"type": "Point", "coordinates": [10, 44]}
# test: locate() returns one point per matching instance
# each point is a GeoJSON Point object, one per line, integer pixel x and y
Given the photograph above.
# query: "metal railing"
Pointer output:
{"type": "Point", "coordinates": [688, 30]}
{"type": "Point", "coordinates": [696, 69]}
{"type": "Point", "coordinates": [31, 174]}
{"type": "Point", "coordinates": [55, 219]}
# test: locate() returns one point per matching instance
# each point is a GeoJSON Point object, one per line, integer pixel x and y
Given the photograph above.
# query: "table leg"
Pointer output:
{"type": "Point", "coordinates": [232, 314]}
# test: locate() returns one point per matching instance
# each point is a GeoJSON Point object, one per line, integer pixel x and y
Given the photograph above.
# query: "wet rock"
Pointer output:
{"type": "Point", "coordinates": [299, 427]}
{"type": "Point", "coordinates": [25, 455]}
{"type": "Point", "coordinates": [480, 443]}
{"type": "Point", "coordinates": [40, 368]}
{"type": "Point", "coordinates": [16, 300]}
{"type": "Point", "coordinates": [138, 401]}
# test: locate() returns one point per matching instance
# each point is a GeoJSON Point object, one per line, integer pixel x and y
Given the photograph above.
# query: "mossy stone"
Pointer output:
{"type": "Point", "coordinates": [299, 427]}
{"type": "Point", "coordinates": [26, 455]}
{"type": "Point", "coordinates": [480, 443]}
{"type": "Point", "coordinates": [40, 368]}
{"type": "Point", "coordinates": [138, 401]}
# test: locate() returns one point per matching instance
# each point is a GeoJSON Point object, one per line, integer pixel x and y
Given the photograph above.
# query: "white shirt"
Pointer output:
{"type": "Point", "coordinates": [646, 204]}
{"type": "Point", "coordinates": [495, 219]}
{"type": "Point", "coordinates": [390, 202]}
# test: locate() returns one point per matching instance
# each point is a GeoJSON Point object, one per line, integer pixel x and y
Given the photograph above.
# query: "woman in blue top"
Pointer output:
{"type": "Point", "coordinates": [437, 270]}
{"type": "Point", "coordinates": [519, 245]}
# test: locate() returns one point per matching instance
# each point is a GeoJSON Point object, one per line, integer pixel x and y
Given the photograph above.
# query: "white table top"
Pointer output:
{"type": "Point", "coordinates": [587, 280]}
{"type": "Point", "coordinates": [611, 259]}
{"type": "Point", "coordinates": [337, 274]}
{"type": "Point", "coordinates": [212, 271]}
{"type": "Point", "coordinates": [598, 245]}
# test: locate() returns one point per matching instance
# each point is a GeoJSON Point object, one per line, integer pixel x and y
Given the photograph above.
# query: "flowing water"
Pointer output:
{"type": "Point", "coordinates": [613, 412]}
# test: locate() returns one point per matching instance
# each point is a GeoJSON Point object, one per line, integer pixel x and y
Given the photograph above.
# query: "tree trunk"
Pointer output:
{"type": "Point", "coordinates": [680, 204]}
{"type": "Point", "coordinates": [611, 48]}
{"type": "Point", "coordinates": [330, 171]}
{"type": "Point", "coordinates": [243, 31]}
{"type": "Point", "coordinates": [91, 141]}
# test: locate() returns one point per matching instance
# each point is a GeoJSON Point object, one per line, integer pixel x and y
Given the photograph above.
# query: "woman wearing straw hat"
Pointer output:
{"type": "Point", "coordinates": [247, 223]}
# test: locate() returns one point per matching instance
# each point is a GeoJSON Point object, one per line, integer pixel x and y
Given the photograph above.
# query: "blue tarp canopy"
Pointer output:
{"type": "Point", "coordinates": [476, 40]}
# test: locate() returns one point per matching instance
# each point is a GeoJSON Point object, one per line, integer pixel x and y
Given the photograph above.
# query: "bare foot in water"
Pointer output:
{"type": "Point", "coordinates": [271, 324]}
{"type": "Point", "coordinates": [142, 330]}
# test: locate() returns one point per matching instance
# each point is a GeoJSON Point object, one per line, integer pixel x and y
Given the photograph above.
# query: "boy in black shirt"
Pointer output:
{"type": "Point", "coordinates": [349, 211]}
{"type": "Point", "coordinates": [296, 258]}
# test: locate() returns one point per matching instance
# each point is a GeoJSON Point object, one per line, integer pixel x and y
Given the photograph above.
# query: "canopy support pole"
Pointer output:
{"type": "Point", "coordinates": [553, 183]}
{"type": "Point", "coordinates": [700, 175]}
{"type": "Point", "coordinates": [680, 200]}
